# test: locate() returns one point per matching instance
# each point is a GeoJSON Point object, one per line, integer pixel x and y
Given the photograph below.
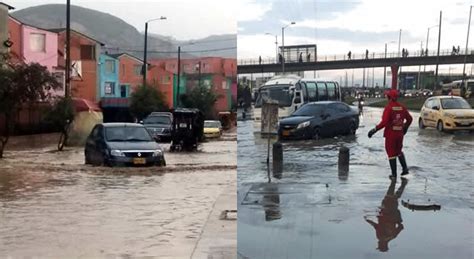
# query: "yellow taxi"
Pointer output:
{"type": "Point", "coordinates": [212, 129]}
{"type": "Point", "coordinates": [446, 113]}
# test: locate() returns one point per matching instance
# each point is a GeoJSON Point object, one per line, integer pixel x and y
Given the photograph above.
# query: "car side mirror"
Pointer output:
{"type": "Point", "coordinates": [436, 108]}
{"type": "Point", "coordinates": [141, 122]}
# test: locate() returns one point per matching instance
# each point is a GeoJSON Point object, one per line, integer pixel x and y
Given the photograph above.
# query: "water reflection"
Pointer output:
{"type": "Point", "coordinates": [271, 202]}
{"type": "Point", "coordinates": [389, 217]}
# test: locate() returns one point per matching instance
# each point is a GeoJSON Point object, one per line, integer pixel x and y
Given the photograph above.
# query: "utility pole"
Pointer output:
{"type": "Point", "coordinates": [385, 68]}
{"type": "Point", "coordinates": [419, 68]}
{"type": "Point", "coordinates": [283, 47]}
{"type": "Point", "coordinates": [145, 67]}
{"type": "Point", "coordinates": [67, 90]}
{"type": "Point", "coordinates": [439, 42]}
{"type": "Point", "coordinates": [179, 76]}
{"type": "Point", "coordinates": [467, 41]}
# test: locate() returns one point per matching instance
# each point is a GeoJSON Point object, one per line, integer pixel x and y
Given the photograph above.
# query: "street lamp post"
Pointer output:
{"type": "Point", "coordinates": [385, 68]}
{"type": "Point", "coordinates": [439, 43]}
{"type": "Point", "coordinates": [179, 74]}
{"type": "Point", "coordinates": [145, 68]}
{"type": "Point", "coordinates": [276, 45]}
{"type": "Point", "coordinates": [465, 54]}
{"type": "Point", "coordinates": [426, 48]}
{"type": "Point", "coordinates": [283, 46]}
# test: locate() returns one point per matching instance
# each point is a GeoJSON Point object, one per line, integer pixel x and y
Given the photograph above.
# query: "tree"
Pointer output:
{"type": "Point", "coordinates": [21, 84]}
{"type": "Point", "coordinates": [146, 99]}
{"type": "Point", "coordinates": [202, 98]}
{"type": "Point", "coordinates": [61, 117]}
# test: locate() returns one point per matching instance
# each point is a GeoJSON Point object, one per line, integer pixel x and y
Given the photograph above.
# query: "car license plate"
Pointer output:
{"type": "Point", "coordinates": [183, 125]}
{"type": "Point", "coordinates": [139, 161]}
{"type": "Point", "coordinates": [464, 123]}
{"type": "Point", "coordinates": [286, 133]}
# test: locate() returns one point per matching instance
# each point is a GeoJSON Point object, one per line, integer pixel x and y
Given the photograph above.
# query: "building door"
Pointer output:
{"type": "Point", "coordinates": [124, 91]}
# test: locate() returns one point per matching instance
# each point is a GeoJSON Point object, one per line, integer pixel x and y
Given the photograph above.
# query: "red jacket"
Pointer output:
{"type": "Point", "coordinates": [394, 119]}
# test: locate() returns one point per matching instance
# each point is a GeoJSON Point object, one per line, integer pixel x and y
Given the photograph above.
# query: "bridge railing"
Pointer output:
{"type": "Point", "coordinates": [355, 56]}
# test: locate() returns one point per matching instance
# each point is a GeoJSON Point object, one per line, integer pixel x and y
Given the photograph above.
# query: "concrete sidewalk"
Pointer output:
{"type": "Point", "coordinates": [218, 239]}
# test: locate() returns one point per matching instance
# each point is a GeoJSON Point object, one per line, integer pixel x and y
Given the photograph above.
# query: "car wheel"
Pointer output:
{"type": "Point", "coordinates": [316, 134]}
{"type": "Point", "coordinates": [352, 129]}
{"type": "Point", "coordinates": [440, 126]}
{"type": "Point", "coordinates": [421, 125]}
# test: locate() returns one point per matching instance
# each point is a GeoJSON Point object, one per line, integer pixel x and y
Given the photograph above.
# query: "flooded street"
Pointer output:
{"type": "Point", "coordinates": [309, 211]}
{"type": "Point", "coordinates": [52, 205]}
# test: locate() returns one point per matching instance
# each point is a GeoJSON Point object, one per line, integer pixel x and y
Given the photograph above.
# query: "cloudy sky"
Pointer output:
{"type": "Point", "coordinates": [186, 19]}
{"type": "Point", "coordinates": [341, 26]}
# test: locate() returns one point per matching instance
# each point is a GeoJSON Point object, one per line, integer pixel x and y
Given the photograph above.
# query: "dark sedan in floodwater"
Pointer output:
{"type": "Point", "coordinates": [122, 143]}
{"type": "Point", "coordinates": [319, 120]}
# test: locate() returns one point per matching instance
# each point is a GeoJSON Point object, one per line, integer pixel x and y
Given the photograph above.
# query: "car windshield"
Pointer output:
{"type": "Point", "coordinates": [127, 134]}
{"type": "Point", "coordinates": [454, 103]}
{"type": "Point", "coordinates": [309, 110]}
{"type": "Point", "coordinates": [280, 93]}
{"type": "Point", "coordinates": [157, 120]}
{"type": "Point", "coordinates": [212, 124]}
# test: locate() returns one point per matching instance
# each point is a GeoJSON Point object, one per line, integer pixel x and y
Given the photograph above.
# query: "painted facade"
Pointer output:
{"type": "Point", "coordinates": [109, 78]}
{"type": "Point", "coordinates": [4, 10]}
{"type": "Point", "coordinates": [85, 53]}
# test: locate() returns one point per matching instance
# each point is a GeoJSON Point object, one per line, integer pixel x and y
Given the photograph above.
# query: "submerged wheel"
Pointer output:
{"type": "Point", "coordinates": [352, 129]}
{"type": "Point", "coordinates": [440, 126]}
{"type": "Point", "coordinates": [316, 134]}
{"type": "Point", "coordinates": [421, 125]}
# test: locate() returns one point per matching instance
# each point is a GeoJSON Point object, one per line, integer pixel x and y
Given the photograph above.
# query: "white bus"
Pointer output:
{"type": "Point", "coordinates": [457, 88]}
{"type": "Point", "coordinates": [291, 91]}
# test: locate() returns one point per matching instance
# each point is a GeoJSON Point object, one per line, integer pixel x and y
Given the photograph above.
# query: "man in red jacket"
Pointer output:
{"type": "Point", "coordinates": [395, 120]}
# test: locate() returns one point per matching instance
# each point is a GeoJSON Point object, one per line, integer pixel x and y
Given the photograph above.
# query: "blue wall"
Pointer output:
{"type": "Point", "coordinates": [106, 76]}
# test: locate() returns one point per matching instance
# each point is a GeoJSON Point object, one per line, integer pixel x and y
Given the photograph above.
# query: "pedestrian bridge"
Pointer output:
{"type": "Point", "coordinates": [334, 62]}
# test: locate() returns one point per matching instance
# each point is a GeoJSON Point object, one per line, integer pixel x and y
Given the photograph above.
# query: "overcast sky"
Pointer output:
{"type": "Point", "coordinates": [338, 27]}
{"type": "Point", "coordinates": [186, 19]}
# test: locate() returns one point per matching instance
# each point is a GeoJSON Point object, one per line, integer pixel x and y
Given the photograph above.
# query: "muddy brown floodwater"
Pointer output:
{"type": "Point", "coordinates": [52, 205]}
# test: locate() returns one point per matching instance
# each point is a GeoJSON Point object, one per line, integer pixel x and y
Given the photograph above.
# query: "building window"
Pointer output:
{"type": "Point", "coordinates": [186, 68]}
{"type": "Point", "coordinates": [87, 52]}
{"type": "Point", "coordinates": [38, 42]}
{"type": "Point", "coordinates": [109, 88]}
{"type": "Point", "coordinates": [110, 66]}
{"type": "Point", "coordinates": [225, 85]}
{"type": "Point", "coordinates": [123, 91]}
{"type": "Point", "coordinates": [137, 69]}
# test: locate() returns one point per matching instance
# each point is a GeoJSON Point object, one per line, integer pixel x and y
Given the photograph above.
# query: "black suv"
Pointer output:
{"type": "Point", "coordinates": [159, 125]}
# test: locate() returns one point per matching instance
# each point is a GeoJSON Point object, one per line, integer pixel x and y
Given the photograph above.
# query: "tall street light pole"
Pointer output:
{"type": "Point", "coordinates": [145, 63]}
{"type": "Point", "coordinates": [439, 42]}
{"type": "Point", "coordinates": [465, 53]}
{"type": "Point", "coordinates": [283, 47]}
{"type": "Point", "coordinates": [179, 75]}
{"type": "Point", "coordinates": [276, 44]}
{"type": "Point", "coordinates": [426, 49]}
{"type": "Point", "coordinates": [385, 68]}
{"type": "Point", "coordinates": [400, 70]}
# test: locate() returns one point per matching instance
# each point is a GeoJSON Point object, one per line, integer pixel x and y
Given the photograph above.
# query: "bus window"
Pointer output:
{"type": "Point", "coordinates": [322, 92]}
{"type": "Point", "coordinates": [331, 90]}
{"type": "Point", "coordinates": [312, 91]}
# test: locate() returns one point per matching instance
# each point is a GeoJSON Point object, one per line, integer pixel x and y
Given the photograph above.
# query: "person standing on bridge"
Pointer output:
{"type": "Point", "coordinates": [395, 119]}
{"type": "Point", "coordinates": [349, 55]}
{"type": "Point", "coordinates": [366, 54]}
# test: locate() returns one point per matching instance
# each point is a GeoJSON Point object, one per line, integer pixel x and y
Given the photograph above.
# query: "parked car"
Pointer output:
{"type": "Point", "coordinates": [447, 113]}
{"type": "Point", "coordinates": [159, 125]}
{"type": "Point", "coordinates": [122, 144]}
{"type": "Point", "coordinates": [318, 120]}
{"type": "Point", "coordinates": [212, 129]}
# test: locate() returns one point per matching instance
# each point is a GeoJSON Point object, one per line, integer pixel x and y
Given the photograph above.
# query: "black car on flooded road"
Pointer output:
{"type": "Point", "coordinates": [122, 144]}
{"type": "Point", "coordinates": [159, 125]}
{"type": "Point", "coordinates": [319, 120]}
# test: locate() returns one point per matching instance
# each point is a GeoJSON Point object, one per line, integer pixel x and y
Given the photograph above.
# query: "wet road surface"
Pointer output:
{"type": "Point", "coordinates": [310, 212]}
{"type": "Point", "coordinates": [53, 206]}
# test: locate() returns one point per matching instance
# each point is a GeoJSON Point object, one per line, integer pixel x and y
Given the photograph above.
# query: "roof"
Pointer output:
{"type": "Point", "coordinates": [325, 102]}
{"type": "Point", "coordinates": [121, 124]}
{"type": "Point", "coordinates": [445, 97]}
{"type": "Point", "coordinates": [8, 6]}
{"type": "Point", "coordinates": [59, 30]}
{"type": "Point", "coordinates": [118, 55]}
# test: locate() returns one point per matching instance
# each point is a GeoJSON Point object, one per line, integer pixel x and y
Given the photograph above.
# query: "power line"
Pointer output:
{"type": "Point", "coordinates": [169, 52]}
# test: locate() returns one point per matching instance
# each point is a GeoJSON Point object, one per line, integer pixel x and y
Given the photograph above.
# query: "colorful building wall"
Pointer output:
{"type": "Point", "coordinates": [4, 10]}
{"type": "Point", "coordinates": [85, 68]}
{"type": "Point", "coordinates": [109, 78]}
{"type": "Point", "coordinates": [45, 52]}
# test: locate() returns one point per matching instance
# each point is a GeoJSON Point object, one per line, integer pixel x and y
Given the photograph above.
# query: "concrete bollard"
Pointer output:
{"type": "Point", "coordinates": [343, 163]}
{"type": "Point", "coordinates": [277, 160]}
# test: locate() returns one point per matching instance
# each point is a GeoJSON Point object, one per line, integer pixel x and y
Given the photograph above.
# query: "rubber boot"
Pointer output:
{"type": "Point", "coordinates": [393, 166]}
{"type": "Point", "coordinates": [403, 162]}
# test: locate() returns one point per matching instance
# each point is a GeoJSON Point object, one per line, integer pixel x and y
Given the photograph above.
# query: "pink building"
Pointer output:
{"type": "Point", "coordinates": [35, 45]}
